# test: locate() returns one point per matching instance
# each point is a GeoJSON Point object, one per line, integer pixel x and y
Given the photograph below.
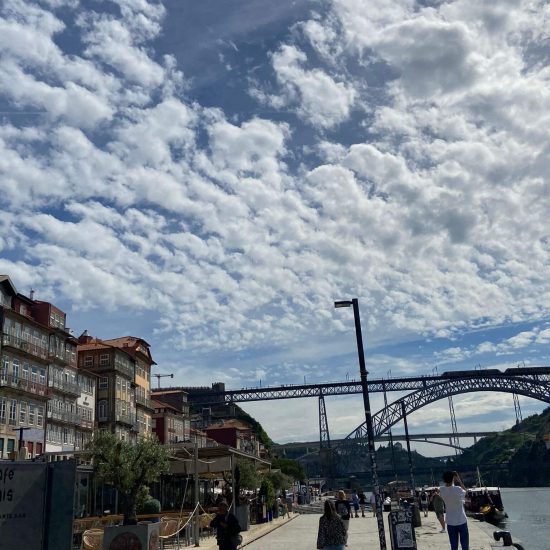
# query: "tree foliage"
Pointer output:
{"type": "Point", "coordinates": [289, 467]}
{"type": "Point", "coordinates": [278, 479]}
{"type": "Point", "coordinates": [129, 467]}
{"type": "Point", "coordinates": [246, 475]}
{"type": "Point", "coordinates": [267, 492]}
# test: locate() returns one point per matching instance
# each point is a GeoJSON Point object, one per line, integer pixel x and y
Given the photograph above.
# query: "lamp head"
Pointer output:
{"type": "Point", "coordinates": [343, 303]}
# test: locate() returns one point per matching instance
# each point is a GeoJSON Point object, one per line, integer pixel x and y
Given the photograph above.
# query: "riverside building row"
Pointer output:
{"type": "Point", "coordinates": [56, 388]}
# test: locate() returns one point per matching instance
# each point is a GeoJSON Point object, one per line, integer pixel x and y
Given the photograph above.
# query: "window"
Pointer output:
{"type": "Point", "coordinates": [11, 445]}
{"type": "Point", "coordinates": [25, 371]}
{"type": "Point", "coordinates": [22, 412]}
{"type": "Point", "coordinates": [15, 369]}
{"type": "Point", "coordinates": [40, 415]}
{"type": "Point", "coordinates": [104, 359]}
{"type": "Point", "coordinates": [13, 411]}
{"type": "Point", "coordinates": [34, 374]}
{"type": "Point", "coordinates": [5, 367]}
{"type": "Point", "coordinates": [89, 361]}
{"type": "Point", "coordinates": [1, 447]}
{"type": "Point", "coordinates": [103, 383]}
{"type": "Point", "coordinates": [2, 409]}
{"type": "Point", "coordinates": [31, 414]}
{"type": "Point", "coordinates": [42, 374]}
{"type": "Point", "coordinates": [102, 410]}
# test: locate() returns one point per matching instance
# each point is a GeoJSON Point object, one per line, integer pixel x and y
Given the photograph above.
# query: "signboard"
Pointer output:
{"type": "Point", "coordinates": [402, 533]}
{"type": "Point", "coordinates": [22, 491]}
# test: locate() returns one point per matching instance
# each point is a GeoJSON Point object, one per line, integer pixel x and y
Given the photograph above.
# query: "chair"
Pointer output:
{"type": "Point", "coordinates": [92, 539]}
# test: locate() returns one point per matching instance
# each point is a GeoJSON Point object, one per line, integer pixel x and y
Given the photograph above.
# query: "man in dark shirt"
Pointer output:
{"type": "Point", "coordinates": [227, 528]}
{"type": "Point", "coordinates": [343, 509]}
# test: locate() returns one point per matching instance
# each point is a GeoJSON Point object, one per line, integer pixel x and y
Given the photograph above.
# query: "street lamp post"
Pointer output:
{"type": "Point", "coordinates": [368, 417]}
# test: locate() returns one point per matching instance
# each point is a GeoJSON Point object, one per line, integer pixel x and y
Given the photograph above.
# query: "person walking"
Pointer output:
{"type": "Point", "coordinates": [453, 493]}
{"type": "Point", "coordinates": [439, 508]}
{"type": "Point", "coordinates": [355, 503]}
{"type": "Point", "coordinates": [227, 528]}
{"type": "Point", "coordinates": [362, 503]}
{"type": "Point", "coordinates": [343, 509]}
{"type": "Point", "coordinates": [332, 534]}
{"type": "Point", "coordinates": [373, 504]}
{"type": "Point", "coordinates": [424, 502]}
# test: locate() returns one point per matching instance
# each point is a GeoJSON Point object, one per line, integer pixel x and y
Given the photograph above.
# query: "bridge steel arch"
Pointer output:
{"type": "Point", "coordinates": [353, 446]}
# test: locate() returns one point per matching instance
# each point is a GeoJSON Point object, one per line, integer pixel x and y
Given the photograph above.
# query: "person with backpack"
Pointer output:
{"type": "Point", "coordinates": [227, 528]}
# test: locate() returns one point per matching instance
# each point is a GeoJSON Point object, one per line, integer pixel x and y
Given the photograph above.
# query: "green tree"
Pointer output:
{"type": "Point", "coordinates": [129, 467]}
{"type": "Point", "coordinates": [289, 467]}
{"type": "Point", "coordinates": [268, 493]}
{"type": "Point", "coordinates": [278, 479]}
{"type": "Point", "coordinates": [246, 476]}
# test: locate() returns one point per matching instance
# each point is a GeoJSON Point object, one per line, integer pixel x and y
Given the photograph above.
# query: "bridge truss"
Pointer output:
{"type": "Point", "coordinates": [533, 385]}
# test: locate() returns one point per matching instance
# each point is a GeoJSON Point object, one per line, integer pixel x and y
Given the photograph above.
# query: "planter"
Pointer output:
{"type": "Point", "coordinates": [270, 515]}
{"type": "Point", "coordinates": [123, 537]}
{"type": "Point", "coordinates": [242, 513]}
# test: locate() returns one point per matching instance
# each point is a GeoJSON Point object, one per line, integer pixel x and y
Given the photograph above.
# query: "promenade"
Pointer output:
{"type": "Point", "coordinates": [300, 533]}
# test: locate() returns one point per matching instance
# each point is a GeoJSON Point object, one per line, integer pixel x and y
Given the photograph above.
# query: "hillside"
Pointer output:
{"type": "Point", "coordinates": [515, 457]}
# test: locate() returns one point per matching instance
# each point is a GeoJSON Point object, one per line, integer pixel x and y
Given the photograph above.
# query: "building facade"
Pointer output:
{"type": "Point", "coordinates": [123, 370]}
{"type": "Point", "coordinates": [172, 422]}
{"type": "Point", "coordinates": [41, 402]}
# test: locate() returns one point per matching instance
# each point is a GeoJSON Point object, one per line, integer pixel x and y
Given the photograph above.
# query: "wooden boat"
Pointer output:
{"type": "Point", "coordinates": [485, 503]}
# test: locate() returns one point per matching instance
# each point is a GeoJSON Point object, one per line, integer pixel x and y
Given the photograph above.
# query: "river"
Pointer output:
{"type": "Point", "coordinates": [528, 512]}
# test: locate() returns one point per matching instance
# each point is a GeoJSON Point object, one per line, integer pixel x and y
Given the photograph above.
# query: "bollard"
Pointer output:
{"type": "Point", "coordinates": [507, 541]}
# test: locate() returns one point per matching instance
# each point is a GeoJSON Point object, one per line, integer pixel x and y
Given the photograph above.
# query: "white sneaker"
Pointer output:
{"type": "Point", "coordinates": [442, 531]}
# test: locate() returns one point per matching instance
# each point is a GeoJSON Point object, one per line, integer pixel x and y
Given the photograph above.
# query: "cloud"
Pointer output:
{"type": "Point", "coordinates": [322, 101]}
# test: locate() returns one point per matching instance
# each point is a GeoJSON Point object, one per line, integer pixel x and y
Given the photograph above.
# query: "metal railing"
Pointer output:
{"type": "Point", "coordinates": [64, 416]}
{"type": "Point", "coordinates": [128, 371]}
{"type": "Point", "coordinates": [64, 386]}
{"type": "Point", "coordinates": [127, 419]}
{"type": "Point", "coordinates": [23, 384]}
{"type": "Point", "coordinates": [144, 401]}
{"type": "Point", "coordinates": [24, 345]}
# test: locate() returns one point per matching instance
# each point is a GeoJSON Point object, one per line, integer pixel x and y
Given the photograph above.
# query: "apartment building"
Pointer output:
{"type": "Point", "coordinates": [123, 370]}
{"type": "Point", "coordinates": [44, 401]}
{"type": "Point", "coordinates": [23, 373]}
{"type": "Point", "coordinates": [140, 351]}
{"type": "Point", "coordinates": [172, 423]}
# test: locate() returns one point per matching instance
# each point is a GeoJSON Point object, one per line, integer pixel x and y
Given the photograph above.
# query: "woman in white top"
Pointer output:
{"type": "Point", "coordinates": [453, 493]}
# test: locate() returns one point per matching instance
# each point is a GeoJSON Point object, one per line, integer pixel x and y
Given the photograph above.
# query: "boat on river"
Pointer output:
{"type": "Point", "coordinates": [485, 503]}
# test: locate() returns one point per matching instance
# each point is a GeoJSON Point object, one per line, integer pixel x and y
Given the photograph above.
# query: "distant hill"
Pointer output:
{"type": "Point", "coordinates": [516, 457]}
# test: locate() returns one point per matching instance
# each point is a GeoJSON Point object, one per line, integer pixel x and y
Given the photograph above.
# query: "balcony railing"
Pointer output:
{"type": "Point", "coordinates": [127, 419]}
{"type": "Point", "coordinates": [66, 358]}
{"type": "Point", "coordinates": [144, 401]}
{"type": "Point", "coordinates": [64, 416]}
{"type": "Point", "coordinates": [64, 386]}
{"type": "Point", "coordinates": [23, 384]}
{"type": "Point", "coordinates": [86, 423]}
{"type": "Point", "coordinates": [23, 345]}
{"type": "Point", "coordinates": [126, 370]}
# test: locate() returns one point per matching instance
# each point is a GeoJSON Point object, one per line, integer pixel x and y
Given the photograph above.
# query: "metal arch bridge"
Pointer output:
{"type": "Point", "coordinates": [534, 384]}
{"type": "Point", "coordinates": [537, 375]}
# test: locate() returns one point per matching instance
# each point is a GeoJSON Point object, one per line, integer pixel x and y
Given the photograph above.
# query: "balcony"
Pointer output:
{"type": "Point", "coordinates": [62, 357]}
{"type": "Point", "coordinates": [64, 387]}
{"type": "Point", "coordinates": [85, 423]}
{"type": "Point", "coordinates": [144, 402]}
{"type": "Point", "coordinates": [64, 416]}
{"type": "Point", "coordinates": [128, 419]}
{"type": "Point", "coordinates": [23, 384]}
{"type": "Point", "coordinates": [23, 345]}
{"type": "Point", "coordinates": [126, 370]}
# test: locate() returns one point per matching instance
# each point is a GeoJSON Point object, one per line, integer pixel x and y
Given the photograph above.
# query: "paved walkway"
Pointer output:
{"type": "Point", "coordinates": [301, 534]}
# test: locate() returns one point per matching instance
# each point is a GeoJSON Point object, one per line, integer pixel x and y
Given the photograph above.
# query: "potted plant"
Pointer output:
{"type": "Point", "coordinates": [129, 467]}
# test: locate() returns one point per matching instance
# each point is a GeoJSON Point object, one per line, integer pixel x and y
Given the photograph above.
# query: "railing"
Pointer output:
{"type": "Point", "coordinates": [23, 384]}
{"type": "Point", "coordinates": [64, 416]}
{"type": "Point", "coordinates": [67, 358]}
{"type": "Point", "coordinates": [24, 345]}
{"type": "Point", "coordinates": [86, 423]}
{"type": "Point", "coordinates": [128, 371]}
{"type": "Point", "coordinates": [127, 419]}
{"type": "Point", "coordinates": [144, 401]}
{"type": "Point", "coordinates": [64, 386]}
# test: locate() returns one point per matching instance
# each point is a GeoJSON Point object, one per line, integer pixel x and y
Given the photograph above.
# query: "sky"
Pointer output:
{"type": "Point", "coordinates": [212, 175]}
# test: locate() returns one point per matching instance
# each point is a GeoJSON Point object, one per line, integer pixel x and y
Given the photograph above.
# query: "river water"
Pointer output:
{"type": "Point", "coordinates": [528, 512]}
